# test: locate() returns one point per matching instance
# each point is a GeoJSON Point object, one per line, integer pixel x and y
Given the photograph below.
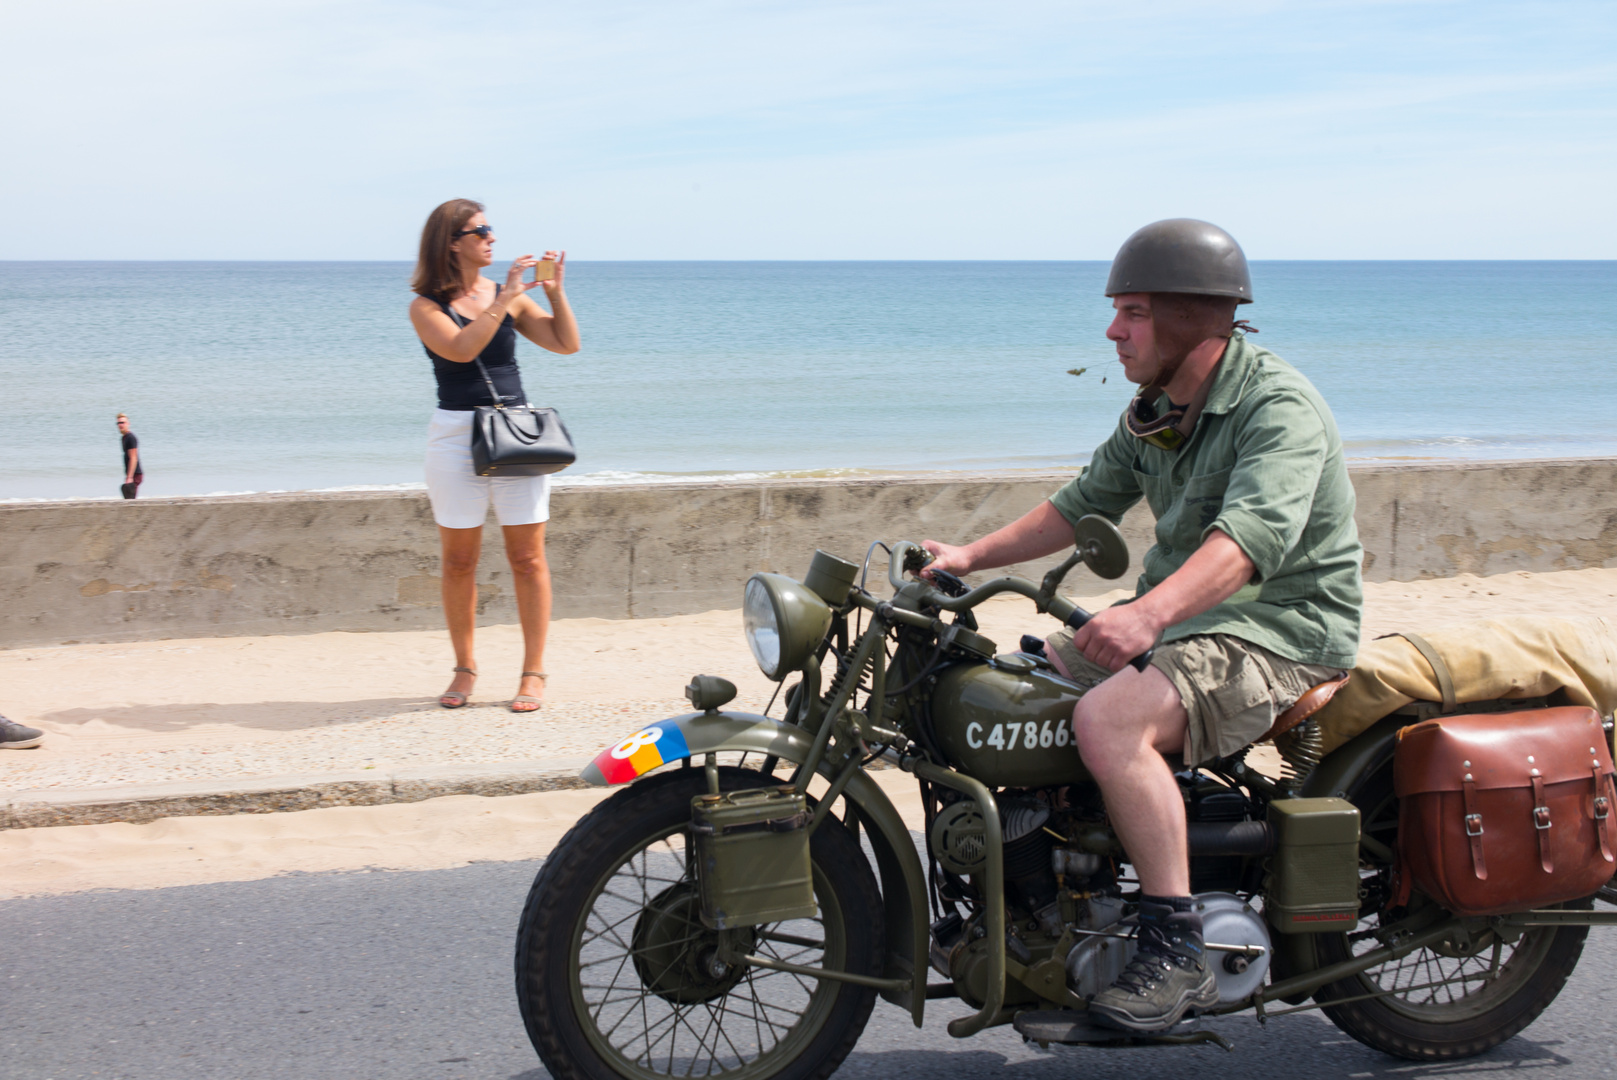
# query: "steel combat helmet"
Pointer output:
{"type": "Point", "coordinates": [1181, 255]}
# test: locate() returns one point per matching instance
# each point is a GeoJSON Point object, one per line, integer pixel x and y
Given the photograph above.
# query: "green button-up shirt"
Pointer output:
{"type": "Point", "coordinates": [1264, 466]}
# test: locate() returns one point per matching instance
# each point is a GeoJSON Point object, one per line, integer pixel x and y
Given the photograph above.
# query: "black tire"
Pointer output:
{"type": "Point", "coordinates": [1466, 1013]}
{"type": "Point", "coordinates": [575, 916]}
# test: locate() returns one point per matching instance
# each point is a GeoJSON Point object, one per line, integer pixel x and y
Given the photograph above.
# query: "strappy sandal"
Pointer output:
{"type": "Point", "coordinates": [454, 699]}
{"type": "Point", "coordinates": [529, 699]}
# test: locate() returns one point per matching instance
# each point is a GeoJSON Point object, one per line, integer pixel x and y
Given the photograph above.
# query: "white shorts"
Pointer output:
{"type": "Point", "coordinates": [461, 498]}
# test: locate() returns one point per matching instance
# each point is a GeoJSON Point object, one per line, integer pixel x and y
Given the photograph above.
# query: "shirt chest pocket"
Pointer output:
{"type": "Point", "coordinates": [1204, 498]}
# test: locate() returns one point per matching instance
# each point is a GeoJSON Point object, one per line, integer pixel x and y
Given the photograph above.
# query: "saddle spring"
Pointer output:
{"type": "Point", "coordinates": [1300, 750]}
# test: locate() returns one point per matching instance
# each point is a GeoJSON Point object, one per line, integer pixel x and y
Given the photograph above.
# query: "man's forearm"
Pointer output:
{"type": "Point", "coordinates": [1214, 573]}
{"type": "Point", "coordinates": [1041, 531]}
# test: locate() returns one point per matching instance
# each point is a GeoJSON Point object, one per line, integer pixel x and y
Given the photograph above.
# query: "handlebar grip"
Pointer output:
{"type": "Point", "coordinates": [1076, 621]}
{"type": "Point", "coordinates": [950, 585]}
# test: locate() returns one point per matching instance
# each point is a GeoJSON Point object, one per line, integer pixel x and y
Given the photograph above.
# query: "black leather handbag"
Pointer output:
{"type": "Point", "coordinates": [518, 440]}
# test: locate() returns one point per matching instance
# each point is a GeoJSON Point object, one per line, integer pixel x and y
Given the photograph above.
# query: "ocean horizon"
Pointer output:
{"type": "Point", "coordinates": [250, 376]}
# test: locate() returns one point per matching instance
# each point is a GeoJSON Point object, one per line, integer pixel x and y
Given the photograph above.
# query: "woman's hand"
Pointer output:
{"type": "Point", "coordinates": [514, 285]}
{"type": "Point", "coordinates": [553, 286]}
{"type": "Point", "coordinates": [556, 331]}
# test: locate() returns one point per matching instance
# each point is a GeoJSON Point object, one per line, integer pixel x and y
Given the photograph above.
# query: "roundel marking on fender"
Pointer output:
{"type": "Point", "coordinates": [651, 746]}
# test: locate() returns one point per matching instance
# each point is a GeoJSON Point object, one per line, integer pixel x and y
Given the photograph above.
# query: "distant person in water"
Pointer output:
{"type": "Point", "coordinates": [133, 474]}
{"type": "Point", "coordinates": [462, 316]}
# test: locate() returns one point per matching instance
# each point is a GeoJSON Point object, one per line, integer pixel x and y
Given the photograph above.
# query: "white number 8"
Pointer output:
{"type": "Point", "coordinates": [628, 747]}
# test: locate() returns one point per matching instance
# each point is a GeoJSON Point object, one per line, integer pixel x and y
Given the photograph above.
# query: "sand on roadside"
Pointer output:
{"type": "Point", "coordinates": [213, 696]}
{"type": "Point", "coordinates": [432, 835]}
{"type": "Point", "coordinates": [204, 700]}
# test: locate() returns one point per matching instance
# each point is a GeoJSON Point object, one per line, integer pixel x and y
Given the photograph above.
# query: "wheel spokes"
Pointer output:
{"type": "Point", "coordinates": [665, 1008]}
{"type": "Point", "coordinates": [1430, 979]}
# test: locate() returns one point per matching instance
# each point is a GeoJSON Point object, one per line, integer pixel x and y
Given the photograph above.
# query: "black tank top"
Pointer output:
{"type": "Point", "coordinates": [461, 387]}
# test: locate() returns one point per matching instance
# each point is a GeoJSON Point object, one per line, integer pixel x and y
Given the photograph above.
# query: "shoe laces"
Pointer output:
{"type": "Point", "coordinates": [1159, 950]}
{"type": "Point", "coordinates": [1143, 973]}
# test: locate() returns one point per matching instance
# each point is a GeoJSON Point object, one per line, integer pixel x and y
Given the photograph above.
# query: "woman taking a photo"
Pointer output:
{"type": "Point", "coordinates": [462, 317]}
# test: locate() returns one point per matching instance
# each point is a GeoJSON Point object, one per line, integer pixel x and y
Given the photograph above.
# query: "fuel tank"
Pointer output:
{"type": "Point", "coordinates": [1007, 723]}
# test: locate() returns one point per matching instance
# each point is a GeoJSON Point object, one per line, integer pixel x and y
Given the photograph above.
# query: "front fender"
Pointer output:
{"type": "Point", "coordinates": [903, 881]}
{"type": "Point", "coordinates": [680, 737]}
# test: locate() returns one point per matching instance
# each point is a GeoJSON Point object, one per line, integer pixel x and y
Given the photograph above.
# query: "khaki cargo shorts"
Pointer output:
{"type": "Point", "coordinates": [1232, 690]}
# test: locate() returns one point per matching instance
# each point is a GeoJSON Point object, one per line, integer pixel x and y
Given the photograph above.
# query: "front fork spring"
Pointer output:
{"type": "Point", "coordinates": [843, 674]}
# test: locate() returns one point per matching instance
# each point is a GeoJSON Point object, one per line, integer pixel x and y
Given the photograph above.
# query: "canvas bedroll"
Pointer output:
{"type": "Point", "coordinates": [1520, 656]}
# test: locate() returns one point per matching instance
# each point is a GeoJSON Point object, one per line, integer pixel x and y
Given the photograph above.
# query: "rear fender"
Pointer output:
{"type": "Point", "coordinates": [903, 881]}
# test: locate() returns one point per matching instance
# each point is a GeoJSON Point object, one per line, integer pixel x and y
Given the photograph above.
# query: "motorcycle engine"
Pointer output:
{"type": "Point", "coordinates": [1054, 889]}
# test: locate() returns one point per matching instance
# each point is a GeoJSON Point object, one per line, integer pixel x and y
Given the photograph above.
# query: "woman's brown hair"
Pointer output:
{"type": "Point", "coordinates": [437, 271]}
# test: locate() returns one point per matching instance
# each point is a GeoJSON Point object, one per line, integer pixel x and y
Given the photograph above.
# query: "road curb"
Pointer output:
{"type": "Point", "coordinates": [138, 804]}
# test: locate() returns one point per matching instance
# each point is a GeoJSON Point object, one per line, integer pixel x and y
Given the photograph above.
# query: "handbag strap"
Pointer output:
{"type": "Point", "coordinates": [492, 393]}
{"type": "Point", "coordinates": [461, 321]}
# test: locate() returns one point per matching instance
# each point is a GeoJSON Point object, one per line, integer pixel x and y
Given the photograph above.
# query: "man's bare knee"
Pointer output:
{"type": "Point", "coordinates": [1103, 743]}
{"type": "Point", "coordinates": [1130, 714]}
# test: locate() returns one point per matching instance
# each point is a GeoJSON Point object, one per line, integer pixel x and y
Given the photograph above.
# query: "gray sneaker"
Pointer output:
{"type": "Point", "coordinates": [15, 736]}
{"type": "Point", "coordinates": [1167, 980]}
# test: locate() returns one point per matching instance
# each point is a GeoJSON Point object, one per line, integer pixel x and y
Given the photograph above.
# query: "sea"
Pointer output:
{"type": "Point", "coordinates": [288, 376]}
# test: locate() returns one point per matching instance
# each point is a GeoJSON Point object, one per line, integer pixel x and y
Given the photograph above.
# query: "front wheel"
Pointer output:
{"type": "Point", "coordinates": [1449, 1001]}
{"type": "Point", "coordinates": [617, 977]}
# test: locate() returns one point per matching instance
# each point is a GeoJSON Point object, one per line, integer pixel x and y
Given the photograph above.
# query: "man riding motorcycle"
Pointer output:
{"type": "Point", "coordinates": [1252, 587]}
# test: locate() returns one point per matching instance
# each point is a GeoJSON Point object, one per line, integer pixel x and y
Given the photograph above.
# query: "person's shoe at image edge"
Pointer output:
{"type": "Point", "coordinates": [15, 736]}
{"type": "Point", "coordinates": [1167, 980]}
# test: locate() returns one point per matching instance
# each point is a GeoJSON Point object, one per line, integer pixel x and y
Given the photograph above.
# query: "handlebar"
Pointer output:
{"type": "Point", "coordinates": [1070, 614]}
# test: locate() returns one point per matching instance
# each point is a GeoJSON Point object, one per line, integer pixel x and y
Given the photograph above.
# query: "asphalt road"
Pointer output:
{"type": "Point", "coordinates": [407, 976]}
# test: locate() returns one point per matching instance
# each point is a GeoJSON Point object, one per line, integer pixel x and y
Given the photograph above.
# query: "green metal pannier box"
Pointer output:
{"type": "Point", "coordinates": [752, 857]}
{"type": "Point", "coordinates": [1313, 883]}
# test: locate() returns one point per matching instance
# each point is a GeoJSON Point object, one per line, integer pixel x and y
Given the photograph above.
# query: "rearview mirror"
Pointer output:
{"type": "Point", "coordinates": [1101, 547]}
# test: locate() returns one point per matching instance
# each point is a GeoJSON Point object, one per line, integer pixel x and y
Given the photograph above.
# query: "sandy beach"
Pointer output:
{"type": "Point", "coordinates": [244, 707]}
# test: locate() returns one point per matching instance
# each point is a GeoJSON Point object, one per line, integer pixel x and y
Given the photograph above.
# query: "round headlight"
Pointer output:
{"type": "Point", "coordinates": [763, 631]}
{"type": "Point", "coordinates": [784, 622]}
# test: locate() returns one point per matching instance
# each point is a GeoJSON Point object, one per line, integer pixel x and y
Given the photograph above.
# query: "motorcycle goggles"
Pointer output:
{"type": "Point", "coordinates": [1162, 431]}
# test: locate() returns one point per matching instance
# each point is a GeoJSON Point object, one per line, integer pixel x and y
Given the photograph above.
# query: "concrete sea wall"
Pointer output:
{"type": "Point", "coordinates": [299, 563]}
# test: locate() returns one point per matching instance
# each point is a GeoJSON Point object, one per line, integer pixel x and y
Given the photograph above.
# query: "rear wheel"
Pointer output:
{"type": "Point", "coordinates": [617, 977]}
{"type": "Point", "coordinates": [1453, 1000]}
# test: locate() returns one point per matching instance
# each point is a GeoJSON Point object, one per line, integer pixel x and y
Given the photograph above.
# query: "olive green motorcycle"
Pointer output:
{"type": "Point", "coordinates": [736, 910]}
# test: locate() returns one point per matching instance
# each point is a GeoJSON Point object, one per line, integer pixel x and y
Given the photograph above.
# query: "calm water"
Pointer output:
{"type": "Point", "coordinates": [287, 376]}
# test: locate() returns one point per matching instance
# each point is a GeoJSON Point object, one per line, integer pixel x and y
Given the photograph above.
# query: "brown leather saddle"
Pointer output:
{"type": "Point", "coordinates": [1313, 700]}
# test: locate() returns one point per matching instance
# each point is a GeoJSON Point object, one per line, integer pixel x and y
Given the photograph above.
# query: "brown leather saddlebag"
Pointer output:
{"type": "Point", "coordinates": [1505, 811]}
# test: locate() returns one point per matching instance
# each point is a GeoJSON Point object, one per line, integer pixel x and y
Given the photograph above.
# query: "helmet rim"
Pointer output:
{"type": "Point", "coordinates": [1181, 255]}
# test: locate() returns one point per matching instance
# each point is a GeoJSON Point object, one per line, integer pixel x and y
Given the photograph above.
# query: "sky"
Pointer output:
{"type": "Point", "coordinates": [890, 129]}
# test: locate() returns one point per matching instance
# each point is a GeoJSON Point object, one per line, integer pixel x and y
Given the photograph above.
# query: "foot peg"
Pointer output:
{"type": "Point", "coordinates": [1072, 1028]}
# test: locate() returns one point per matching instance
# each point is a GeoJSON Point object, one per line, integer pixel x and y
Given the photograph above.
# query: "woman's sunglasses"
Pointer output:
{"type": "Point", "coordinates": [481, 232]}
